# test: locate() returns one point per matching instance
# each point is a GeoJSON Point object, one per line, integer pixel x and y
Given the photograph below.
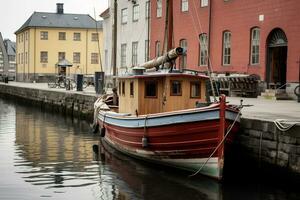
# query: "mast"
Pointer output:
{"type": "Point", "coordinates": [114, 56]}
{"type": "Point", "coordinates": [168, 36]}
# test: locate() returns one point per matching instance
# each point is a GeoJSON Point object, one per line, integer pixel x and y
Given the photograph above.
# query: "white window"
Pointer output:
{"type": "Point", "coordinates": [203, 49]}
{"type": "Point", "coordinates": [226, 48]}
{"type": "Point", "coordinates": [134, 53]}
{"type": "Point", "coordinates": [158, 8]}
{"type": "Point", "coordinates": [124, 16]}
{"type": "Point", "coordinates": [147, 10]}
{"type": "Point", "coordinates": [183, 58]}
{"type": "Point", "coordinates": [184, 5]}
{"type": "Point", "coordinates": [204, 3]}
{"type": "Point", "coordinates": [157, 48]}
{"type": "Point", "coordinates": [255, 39]}
{"type": "Point", "coordinates": [135, 13]}
{"type": "Point", "coordinates": [123, 55]}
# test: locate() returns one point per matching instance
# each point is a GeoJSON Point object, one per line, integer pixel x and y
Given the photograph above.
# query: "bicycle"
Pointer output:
{"type": "Point", "coordinates": [297, 90]}
{"type": "Point", "coordinates": [62, 82]}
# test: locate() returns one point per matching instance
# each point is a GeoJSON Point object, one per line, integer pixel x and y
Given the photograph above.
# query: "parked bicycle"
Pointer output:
{"type": "Point", "coordinates": [297, 91]}
{"type": "Point", "coordinates": [62, 82]}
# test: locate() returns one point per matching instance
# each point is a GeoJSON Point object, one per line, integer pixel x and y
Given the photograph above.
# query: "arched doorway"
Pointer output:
{"type": "Point", "coordinates": [276, 58]}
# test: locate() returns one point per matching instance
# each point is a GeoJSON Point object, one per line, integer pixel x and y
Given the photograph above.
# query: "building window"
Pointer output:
{"type": "Point", "coordinates": [120, 88]}
{"type": "Point", "coordinates": [204, 3]}
{"type": "Point", "coordinates": [62, 35]}
{"type": "Point", "coordinates": [150, 89]}
{"type": "Point", "coordinates": [123, 55]}
{"type": "Point", "coordinates": [255, 40]}
{"type": "Point", "coordinates": [95, 37]}
{"type": "Point", "coordinates": [26, 35]}
{"type": "Point", "coordinates": [76, 57]}
{"type": "Point", "coordinates": [124, 16]}
{"type": "Point", "coordinates": [147, 11]}
{"type": "Point", "coordinates": [195, 89]}
{"type": "Point", "coordinates": [158, 8]}
{"type": "Point", "coordinates": [61, 56]}
{"type": "Point", "coordinates": [184, 5]}
{"type": "Point", "coordinates": [135, 13]}
{"type": "Point", "coordinates": [94, 58]}
{"type": "Point", "coordinates": [44, 56]}
{"type": "Point", "coordinates": [183, 58]}
{"type": "Point", "coordinates": [146, 50]}
{"type": "Point", "coordinates": [134, 53]}
{"type": "Point", "coordinates": [157, 48]}
{"type": "Point", "coordinates": [226, 48]}
{"type": "Point", "coordinates": [131, 88]}
{"type": "Point", "coordinates": [123, 87]}
{"type": "Point", "coordinates": [76, 37]}
{"type": "Point", "coordinates": [44, 35]}
{"type": "Point", "coordinates": [203, 49]}
{"type": "Point", "coordinates": [176, 88]}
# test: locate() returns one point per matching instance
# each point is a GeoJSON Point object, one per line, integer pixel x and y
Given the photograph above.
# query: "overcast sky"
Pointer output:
{"type": "Point", "coordinates": [14, 13]}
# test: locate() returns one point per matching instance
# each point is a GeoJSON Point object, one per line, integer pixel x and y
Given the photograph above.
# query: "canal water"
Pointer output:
{"type": "Point", "coordinates": [44, 155]}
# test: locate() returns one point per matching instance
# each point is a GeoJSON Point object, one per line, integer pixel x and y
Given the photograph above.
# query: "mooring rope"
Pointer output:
{"type": "Point", "coordinates": [227, 133]}
{"type": "Point", "coordinates": [284, 124]}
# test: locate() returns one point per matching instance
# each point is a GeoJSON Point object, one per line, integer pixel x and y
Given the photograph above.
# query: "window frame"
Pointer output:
{"type": "Point", "coordinates": [60, 58]}
{"type": "Point", "coordinates": [134, 58]}
{"type": "Point", "coordinates": [75, 59]}
{"type": "Point", "coordinates": [95, 37]}
{"type": "Point", "coordinates": [226, 52]}
{"type": "Point", "coordinates": [75, 38]}
{"type": "Point", "coordinates": [158, 8]}
{"type": "Point", "coordinates": [94, 58]}
{"type": "Point", "coordinates": [193, 83]}
{"type": "Point", "coordinates": [183, 58]}
{"type": "Point", "coordinates": [172, 87]}
{"type": "Point", "coordinates": [44, 35]}
{"type": "Point", "coordinates": [62, 36]}
{"type": "Point", "coordinates": [42, 59]}
{"type": "Point", "coordinates": [131, 89]}
{"type": "Point", "coordinates": [203, 50]}
{"type": "Point", "coordinates": [203, 3]}
{"type": "Point", "coordinates": [135, 12]}
{"type": "Point", "coordinates": [124, 18]}
{"type": "Point", "coordinates": [147, 82]}
{"type": "Point", "coordinates": [123, 54]}
{"type": "Point", "coordinates": [184, 6]}
{"type": "Point", "coordinates": [255, 45]}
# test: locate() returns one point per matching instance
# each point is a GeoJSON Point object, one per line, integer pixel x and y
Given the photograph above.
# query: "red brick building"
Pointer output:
{"type": "Point", "coordinates": [252, 37]}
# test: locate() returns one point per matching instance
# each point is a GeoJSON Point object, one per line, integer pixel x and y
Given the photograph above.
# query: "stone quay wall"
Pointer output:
{"type": "Point", "coordinates": [64, 102]}
{"type": "Point", "coordinates": [262, 142]}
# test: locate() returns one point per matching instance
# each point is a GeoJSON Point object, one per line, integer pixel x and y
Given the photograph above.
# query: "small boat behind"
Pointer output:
{"type": "Point", "coordinates": [161, 118]}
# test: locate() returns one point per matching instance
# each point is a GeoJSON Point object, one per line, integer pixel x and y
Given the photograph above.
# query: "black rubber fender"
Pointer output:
{"type": "Point", "coordinates": [102, 132]}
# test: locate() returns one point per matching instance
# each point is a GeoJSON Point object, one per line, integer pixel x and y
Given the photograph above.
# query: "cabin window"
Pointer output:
{"type": "Point", "coordinates": [176, 88]}
{"type": "Point", "coordinates": [150, 89]}
{"type": "Point", "coordinates": [195, 89]}
{"type": "Point", "coordinates": [131, 88]}
{"type": "Point", "coordinates": [119, 88]}
{"type": "Point", "coordinates": [123, 87]}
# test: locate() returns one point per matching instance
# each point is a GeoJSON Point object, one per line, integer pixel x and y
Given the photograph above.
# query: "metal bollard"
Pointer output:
{"type": "Point", "coordinates": [79, 82]}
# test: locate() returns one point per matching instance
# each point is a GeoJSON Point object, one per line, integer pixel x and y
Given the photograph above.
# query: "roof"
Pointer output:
{"type": "Point", "coordinates": [163, 74]}
{"type": "Point", "coordinates": [55, 20]}
{"type": "Point", "coordinates": [10, 47]}
{"type": "Point", "coordinates": [64, 63]}
{"type": "Point", "coordinates": [105, 13]}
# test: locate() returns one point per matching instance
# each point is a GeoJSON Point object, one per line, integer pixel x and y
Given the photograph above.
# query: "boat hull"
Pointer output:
{"type": "Point", "coordinates": [184, 140]}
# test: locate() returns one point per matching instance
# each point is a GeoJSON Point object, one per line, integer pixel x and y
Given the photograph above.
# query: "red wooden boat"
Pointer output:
{"type": "Point", "coordinates": [157, 120]}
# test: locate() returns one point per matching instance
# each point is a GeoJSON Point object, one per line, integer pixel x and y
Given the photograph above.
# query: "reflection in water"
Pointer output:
{"type": "Point", "coordinates": [45, 155]}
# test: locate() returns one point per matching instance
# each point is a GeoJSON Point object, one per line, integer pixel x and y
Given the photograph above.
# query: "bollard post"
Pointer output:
{"type": "Point", "coordinates": [68, 84]}
{"type": "Point", "coordinates": [99, 82]}
{"type": "Point", "coordinates": [79, 82]}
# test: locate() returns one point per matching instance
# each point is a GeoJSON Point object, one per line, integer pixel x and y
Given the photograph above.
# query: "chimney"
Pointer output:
{"type": "Point", "coordinates": [60, 8]}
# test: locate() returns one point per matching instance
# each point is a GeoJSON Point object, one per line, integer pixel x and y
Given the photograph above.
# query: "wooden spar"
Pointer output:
{"type": "Point", "coordinates": [169, 56]}
{"type": "Point", "coordinates": [114, 56]}
{"type": "Point", "coordinates": [222, 132]}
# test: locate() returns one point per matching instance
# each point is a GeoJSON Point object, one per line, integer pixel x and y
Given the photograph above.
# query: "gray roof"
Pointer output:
{"type": "Point", "coordinates": [64, 63]}
{"type": "Point", "coordinates": [10, 47]}
{"type": "Point", "coordinates": [43, 19]}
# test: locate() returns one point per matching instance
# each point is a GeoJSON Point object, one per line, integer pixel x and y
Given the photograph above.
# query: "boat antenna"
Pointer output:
{"type": "Point", "coordinates": [98, 40]}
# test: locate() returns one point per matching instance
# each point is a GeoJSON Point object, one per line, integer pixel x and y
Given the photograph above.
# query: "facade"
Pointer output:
{"type": "Point", "coordinates": [239, 36]}
{"type": "Point", "coordinates": [47, 38]}
{"type": "Point", "coordinates": [132, 34]}
{"type": "Point", "coordinates": [3, 59]}
{"type": "Point", "coordinates": [10, 48]}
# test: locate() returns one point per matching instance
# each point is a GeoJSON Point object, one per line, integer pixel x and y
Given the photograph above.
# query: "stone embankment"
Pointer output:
{"type": "Point", "coordinates": [268, 148]}
{"type": "Point", "coordinates": [65, 102]}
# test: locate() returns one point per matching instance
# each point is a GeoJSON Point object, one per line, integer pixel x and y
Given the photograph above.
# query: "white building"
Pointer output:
{"type": "Point", "coordinates": [132, 34]}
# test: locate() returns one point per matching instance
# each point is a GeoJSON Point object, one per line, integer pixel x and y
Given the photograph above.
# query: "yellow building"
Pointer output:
{"type": "Point", "coordinates": [47, 38]}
